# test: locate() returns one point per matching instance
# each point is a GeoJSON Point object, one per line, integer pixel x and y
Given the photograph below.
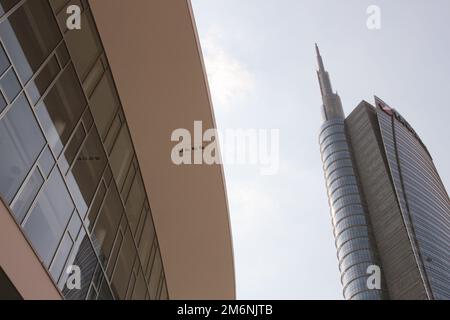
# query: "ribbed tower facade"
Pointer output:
{"type": "Point", "coordinates": [353, 237]}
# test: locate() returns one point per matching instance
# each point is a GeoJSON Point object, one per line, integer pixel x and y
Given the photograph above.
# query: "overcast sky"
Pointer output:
{"type": "Point", "coordinates": [260, 61]}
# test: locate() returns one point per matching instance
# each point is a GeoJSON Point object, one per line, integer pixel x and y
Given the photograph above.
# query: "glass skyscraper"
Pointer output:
{"type": "Point", "coordinates": [388, 204]}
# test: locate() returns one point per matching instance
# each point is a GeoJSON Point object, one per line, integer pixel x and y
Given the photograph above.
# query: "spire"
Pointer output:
{"type": "Point", "coordinates": [319, 59]}
{"type": "Point", "coordinates": [332, 106]}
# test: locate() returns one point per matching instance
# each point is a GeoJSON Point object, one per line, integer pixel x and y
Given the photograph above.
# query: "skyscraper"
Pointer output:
{"type": "Point", "coordinates": [86, 177]}
{"type": "Point", "coordinates": [389, 207]}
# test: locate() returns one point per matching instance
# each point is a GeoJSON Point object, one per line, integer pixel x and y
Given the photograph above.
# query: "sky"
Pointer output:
{"type": "Point", "coordinates": [261, 67]}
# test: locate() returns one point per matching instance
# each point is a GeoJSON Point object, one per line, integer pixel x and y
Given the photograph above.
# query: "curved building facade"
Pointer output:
{"type": "Point", "coordinates": [354, 241]}
{"type": "Point", "coordinates": [423, 200]}
{"type": "Point", "coordinates": [76, 185]}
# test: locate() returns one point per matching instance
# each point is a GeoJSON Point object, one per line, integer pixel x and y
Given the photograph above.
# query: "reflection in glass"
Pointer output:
{"type": "Point", "coordinates": [37, 87]}
{"type": "Point", "coordinates": [104, 103]}
{"type": "Point", "coordinates": [84, 45]}
{"type": "Point", "coordinates": [124, 265]}
{"type": "Point", "coordinates": [21, 206]}
{"type": "Point", "coordinates": [46, 162]}
{"type": "Point", "coordinates": [61, 257]}
{"type": "Point", "coordinates": [29, 34]}
{"type": "Point", "coordinates": [10, 85]}
{"type": "Point", "coordinates": [121, 156]}
{"type": "Point", "coordinates": [61, 110]}
{"type": "Point", "coordinates": [21, 142]}
{"type": "Point", "coordinates": [106, 226]}
{"type": "Point", "coordinates": [4, 61]}
{"type": "Point", "coordinates": [49, 217]}
{"type": "Point", "coordinates": [6, 5]}
{"type": "Point", "coordinates": [85, 175]}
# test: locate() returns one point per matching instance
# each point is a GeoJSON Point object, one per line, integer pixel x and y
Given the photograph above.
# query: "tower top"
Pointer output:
{"type": "Point", "coordinates": [332, 106]}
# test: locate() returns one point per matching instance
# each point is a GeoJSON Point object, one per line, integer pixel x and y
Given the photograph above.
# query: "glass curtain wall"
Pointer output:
{"type": "Point", "coordinates": [68, 170]}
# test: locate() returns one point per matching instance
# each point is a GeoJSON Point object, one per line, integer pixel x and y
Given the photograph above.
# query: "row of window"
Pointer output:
{"type": "Point", "coordinates": [68, 169]}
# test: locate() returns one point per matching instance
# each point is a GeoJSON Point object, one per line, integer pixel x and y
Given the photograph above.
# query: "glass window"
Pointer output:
{"type": "Point", "coordinates": [104, 103]}
{"type": "Point", "coordinates": [114, 254]}
{"type": "Point", "coordinates": [61, 257]}
{"type": "Point", "coordinates": [37, 87]}
{"type": "Point", "coordinates": [10, 85]}
{"type": "Point", "coordinates": [124, 265]}
{"type": "Point", "coordinates": [107, 224]}
{"type": "Point", "coordinates": [84, 45]}
{"type": "Point", "coordinates": [21, 142]}
{"type": "Point", "coordinates": [146, 240]}
{"type": "Point", "coordinates": [112, 133]}
{"type": "Point", "coordinates": [121, 156]}
{"type": "Point", "coordinates": [104, 292]}
{"type": "Point", "coordinates": [48, 219]}
{"type": "Point", "coordinates": [74, 225]}
{"type": "Point", "coordinates": [4, 61]}
{"type": "Point", "coordinates": [72, 149]}
{"type": "Point", "coordinates": [61, 110]}
{"type": "Point", "coordinates": [135, 202]}
{"type": "Point", "coordinates": [140, 288]}
{"type": "Point", "coordinates": [29, 35]}
{"type": "Point", "coordinates": [46, 162]}
{"type": "Point", "coordinates": [63, 55]}
{"type": "Point", "coordinates": [95, 208]}
{"type": "Point", "coordinates": [3, 103]}
{"type": "Point", "coordinates": [155, 277]}
{"type": "Point", "coordinates": [87, 261]}
{"type": "Point", "coordinates": [86, 173]}
{"type": "Point", "coordinates": [94, 76]}
{"type": "Point", "coordinates": [21, 206]}
{"type": "Point", "coordinates": [58, 5]}
{"type": "Point", "coordinates": [6, 5]}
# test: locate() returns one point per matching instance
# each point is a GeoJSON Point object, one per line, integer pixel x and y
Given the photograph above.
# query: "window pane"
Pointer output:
{"type": "Point", "coordinates": [61, 110]}
{"type": "Point", "coordinates": [38, 86]}
{"type": "Point", "coordinates": [93, 212]}
{"type": "Point", "coordinates": [140, 289]}
{"type": "Point", "coordinates": [87, 261]}
{"type": "Point", "coordinates": [61, 257]}
{"type": "Point", "coordinates": [10, 85]}
{"type": "Point", "coordinates": [23, 203]}
{"type": "Point", "coordinates": [29, 35]}
{"type": "Point", "coordinates": [84, 45]}
{"type": "Point", "coordinates": [155, 277]}
{"type": "Point", "coordinates": [5, 5]}
{"type": "Point", "coordinates": [4, 62]}
{"type": "Point", "coordinates": [108, 221]}
{"type": "Point", "coordinates": [49, 217]}
{"type": "Point", "coordinates": [21, 142]}
{"type": "Point", "coordinates": [121, 156]}
{"type": "Point", "coordinates": [72, 149]}
{"type": "Point", "coordinates": [3, 103]}
{"type": "Point", "coordinates": [146, 240]}
{"type": "Point", "coordinates": [125, 262]}
{"type": "Point", "coordinates": [46, 162]}
{"type": "Point", "coordinates": [85, 175]}
{"type": "Point", "coordinates": [104, 104]}
{"type": "Point", "coordinates": [135, 202]}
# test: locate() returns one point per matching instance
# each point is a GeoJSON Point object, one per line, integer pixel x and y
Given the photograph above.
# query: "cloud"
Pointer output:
{"type": "Point", "coordinates": [229, 78]}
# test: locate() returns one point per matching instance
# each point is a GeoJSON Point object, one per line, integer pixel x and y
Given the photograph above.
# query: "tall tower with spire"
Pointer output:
{"type": "Point", "coordinates": [389, 208]}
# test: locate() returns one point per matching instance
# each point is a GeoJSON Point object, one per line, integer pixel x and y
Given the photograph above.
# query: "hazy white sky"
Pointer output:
{"type": "Point", "coordinates": [260, 60]}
